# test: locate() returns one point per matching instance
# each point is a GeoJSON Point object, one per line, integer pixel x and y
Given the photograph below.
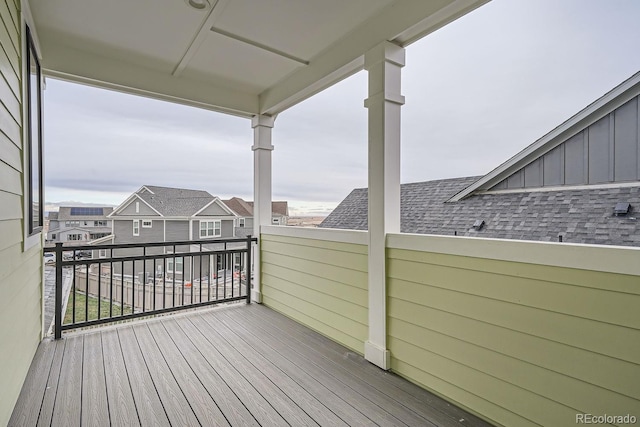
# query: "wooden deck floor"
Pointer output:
{"type": "Point", "coordinates": [240, 365]}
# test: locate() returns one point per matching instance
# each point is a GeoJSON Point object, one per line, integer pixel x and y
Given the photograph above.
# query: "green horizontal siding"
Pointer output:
{"type": "Point", "coordinates": [321, 284]}
{"type": "Point", "coordinates": [517, 343]}
{"type": "Point", "coordinates": [20, 270]}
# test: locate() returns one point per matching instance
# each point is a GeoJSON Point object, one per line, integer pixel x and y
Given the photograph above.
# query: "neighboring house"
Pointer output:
{"type": "Point", "coordinates": [78, 224]}
{"type": "Point", "coordinates": [579, 183]}
{"type": "Point", "coordinates": [244, 211]}
{"type": "Point", "coordinates": [163, 214]}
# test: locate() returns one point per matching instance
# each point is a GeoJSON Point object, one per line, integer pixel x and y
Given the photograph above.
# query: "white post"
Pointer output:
{"type": "Point", "coordinates": [262, 148]}
{"type": "Point", "coordinates": [383, 63]}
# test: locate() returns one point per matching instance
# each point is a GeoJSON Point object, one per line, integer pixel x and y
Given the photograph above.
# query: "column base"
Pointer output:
{"type": "Point", "coordinates": [381, 357]}
{"type": "Point", "coordinates": [256, 297]}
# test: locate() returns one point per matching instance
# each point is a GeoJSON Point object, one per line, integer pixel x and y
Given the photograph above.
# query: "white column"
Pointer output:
{"type": "Point", "coordinates": [384, 63]}
{"type": "Point", "coordinates": [262, 148]}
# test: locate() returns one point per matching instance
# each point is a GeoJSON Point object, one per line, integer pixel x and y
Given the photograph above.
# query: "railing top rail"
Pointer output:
{"type": "Point", "coordinates": [150, 244]}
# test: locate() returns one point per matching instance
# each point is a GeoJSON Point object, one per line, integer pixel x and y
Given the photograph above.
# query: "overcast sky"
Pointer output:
{"type": "Point", "coordinates": [477, 92]}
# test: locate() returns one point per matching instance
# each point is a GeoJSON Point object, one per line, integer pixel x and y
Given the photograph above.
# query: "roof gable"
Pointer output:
{"type": "Point", "coordinates": [580, 151]}
{"type": "Point", "coordinates": [168, 202]}
{"type": "Point", "coordinates": [215, 208]}
{"type": "Point", "coordinates": [126, 208]}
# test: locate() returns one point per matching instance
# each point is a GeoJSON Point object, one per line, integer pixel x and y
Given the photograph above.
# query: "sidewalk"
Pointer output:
{"type": "Point", "coordinates": [50, 293]}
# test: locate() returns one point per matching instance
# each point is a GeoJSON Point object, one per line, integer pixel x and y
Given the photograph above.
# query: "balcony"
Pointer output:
{"type": "Point", "coordinates": [517, 332]}
{"type": "Point", "coordinates": [236, 365]}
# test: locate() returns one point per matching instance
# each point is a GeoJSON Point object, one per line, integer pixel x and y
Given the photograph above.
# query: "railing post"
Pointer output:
{"type": "Point", "coordinates": [248, 280]}
{"type": "Point", "coordinates": [58, 305]}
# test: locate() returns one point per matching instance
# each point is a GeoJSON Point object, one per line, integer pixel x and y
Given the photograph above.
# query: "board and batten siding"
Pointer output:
{"type": "Point", "coordinates": [20, 270]}
{"type": "Point", "coordinates": [604, 152]}
{"type": "Point", "coordinates": [521, 333]}
{"type": "Point", "coordinates": [318, 278]}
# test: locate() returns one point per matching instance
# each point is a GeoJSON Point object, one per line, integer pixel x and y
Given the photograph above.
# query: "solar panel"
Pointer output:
{"type": "Point", "coordinates": [79, 211]}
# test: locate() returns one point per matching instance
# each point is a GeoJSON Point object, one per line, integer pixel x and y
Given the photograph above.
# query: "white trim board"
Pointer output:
{"type": "Point", "coordinates": [584, 187]}
{"type": "Point", "coordinates": [611, 259]}
{"type": "Point", "coordinates": [356, 237]}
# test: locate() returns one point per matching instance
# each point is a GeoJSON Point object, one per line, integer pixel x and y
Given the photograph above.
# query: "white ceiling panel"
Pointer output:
{"type": "Point", "coordinates": [243, 57]}
{"type": "Point", "coordinates": [301, 28]}
{"type": "Point", "coordinates": [160, 29]}
{"type": "Point", "coordinates": [242, 65]}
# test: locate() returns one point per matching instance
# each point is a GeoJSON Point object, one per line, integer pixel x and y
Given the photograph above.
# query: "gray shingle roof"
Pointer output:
{"type": "Point", "coordinates": [176, 201]}
{"type": "Point", "coordinates": [580, 215]}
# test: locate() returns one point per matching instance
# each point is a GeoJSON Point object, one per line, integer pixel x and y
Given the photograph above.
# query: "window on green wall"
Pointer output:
{"type": "Point", "coordinates": [34, 138]}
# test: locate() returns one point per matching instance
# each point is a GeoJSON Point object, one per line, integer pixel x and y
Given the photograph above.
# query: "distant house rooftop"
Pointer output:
{"type": "Point", "coordinates": [245, 209]}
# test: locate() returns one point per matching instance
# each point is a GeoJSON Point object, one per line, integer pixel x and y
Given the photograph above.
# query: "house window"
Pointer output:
{"type": "Point", "coordinates": [241, 222]}
{"type": "Point", "coordinates": [74, 236]}
{"type": "Point", "coordinates": [146, 223]}
{"type": "Point", "coordinates": [99, 223]}
{"type": "Point", "coordinates": [178, 265]}
{"type": "Point", "coordinates": [210, 229]}
{"type": "Point", "coordinates": [102, 253]}
{"type": "Point", "coordinates": [136, 227]}
{"type": "Point", "coordinates": [34, 138]}
{"type": "Point", "coordinates": [54, 236]}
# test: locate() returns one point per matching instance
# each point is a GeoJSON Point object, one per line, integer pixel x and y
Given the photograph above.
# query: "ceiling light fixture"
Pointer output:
{"type": "Point", "coordinates": [198, 4]}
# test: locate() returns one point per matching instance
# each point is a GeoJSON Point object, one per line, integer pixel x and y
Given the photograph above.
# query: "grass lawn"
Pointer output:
{"type": "Point", "coordinates": [93, 308]}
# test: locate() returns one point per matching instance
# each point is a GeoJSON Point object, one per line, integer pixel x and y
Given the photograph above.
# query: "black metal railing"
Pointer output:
{"type": "Point", "coordinates": [98, 284]}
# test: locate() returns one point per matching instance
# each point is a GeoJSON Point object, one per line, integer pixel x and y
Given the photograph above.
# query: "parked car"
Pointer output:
{"type": "Point", "coordinates": [49, 258]}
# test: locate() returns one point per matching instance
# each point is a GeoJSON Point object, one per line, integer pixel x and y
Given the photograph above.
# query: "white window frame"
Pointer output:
{"type": "Point", "coordinates": [179, 262]}
{"type": "Point", "coordinates": [102, 253]}
{"type": "Point", "coordinates": [241, 222]}
{"type": "Point", "coordinates": [136, 227]}
{"type": "Point", "coordinates": [147, 223]}
{"type": "Point", "coordinates": [214, 227]}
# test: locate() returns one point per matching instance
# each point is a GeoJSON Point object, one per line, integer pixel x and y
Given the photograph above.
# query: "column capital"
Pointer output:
{"type": "Point", "coordinates": [262, 120]}
{"type": "Point", "coordinates": [262, 125]}
{"type": "Point", "coordinates": [384, 52]}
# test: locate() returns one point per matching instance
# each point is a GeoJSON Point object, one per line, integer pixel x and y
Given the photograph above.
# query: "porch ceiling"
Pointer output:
{"type": "Point", "coordinates": [237, 56]}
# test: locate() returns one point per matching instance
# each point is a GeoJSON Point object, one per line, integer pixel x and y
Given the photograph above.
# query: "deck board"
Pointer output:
{"type": "Point", "coordinates": [238, 365]}
{"type": "Point", "coordinates": [148, 404]}
{"type": "Point", "coordinates": [35, 386]}
{"type": "Point", "coordinates": [328, 368]}
{"type": "Point", "coordinates": [292, 364]}
{"type": "Point", "coordinates": [67, 408]}
{"type": "Point", "coordinates": [257, 404]}
{"type": "Point", "coordinates": [226, 399]}
{"type": "Point", "coordinates": [51, 389]}
{"type": "Point", "coordinates": [173, 400]}
{"type": "Point", "coordinates": [95, 408]}
{"type": "Point", "coordinates": [305, 400]}
{"type": "Point", "coordinates": [201, 403]}
{"type": "Point", "coordinates": [122, 407]}
{"type": "Point", "coordinates": [414, 398]}
{"type": "Point", "coordinates": [284, 405]}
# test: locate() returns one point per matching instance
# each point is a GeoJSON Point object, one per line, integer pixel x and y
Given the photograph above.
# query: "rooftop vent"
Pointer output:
{"type": "Point", "coordinates": [621, 208]}
{"type": "Point", "coordinates": [478, 225]}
